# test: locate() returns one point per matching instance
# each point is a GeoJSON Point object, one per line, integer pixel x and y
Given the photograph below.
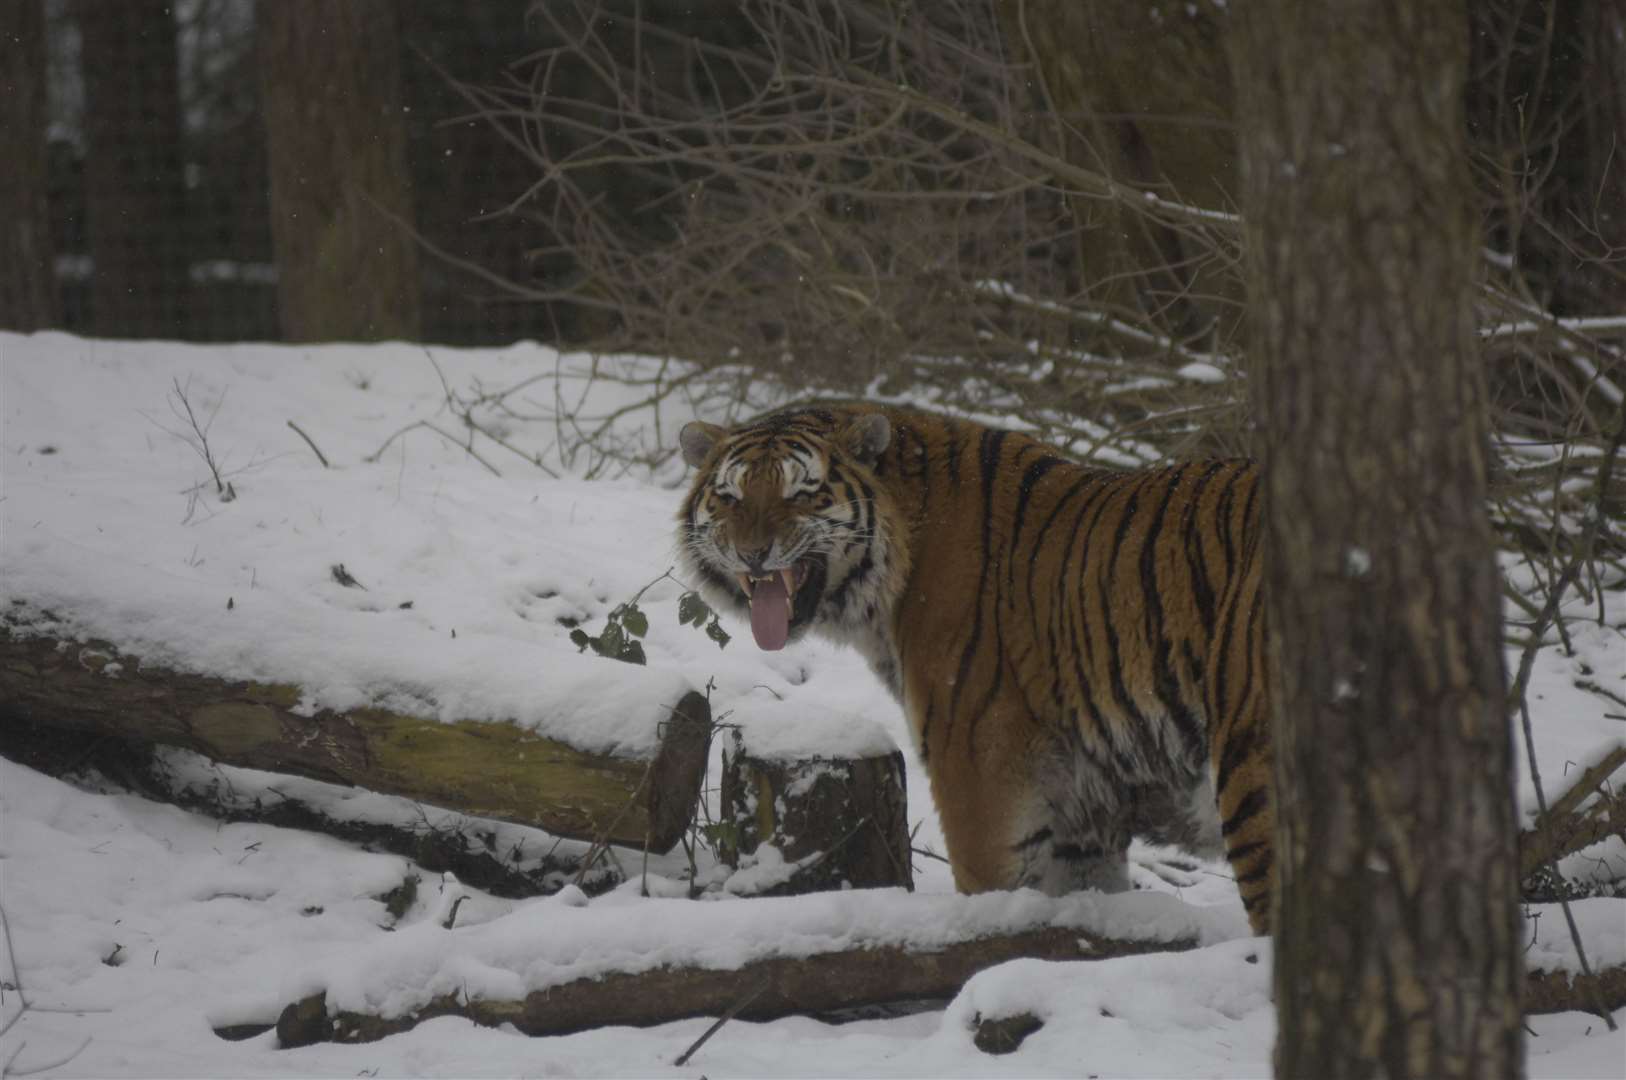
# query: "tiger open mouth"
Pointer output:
{"type": "Point", "coordinates": [772, 598]}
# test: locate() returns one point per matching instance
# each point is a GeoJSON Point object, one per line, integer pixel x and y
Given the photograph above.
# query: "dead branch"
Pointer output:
{"type": "Point", "coordinates": [1563, 828]}
{"type": "Point", "coordinates": [310, 443]}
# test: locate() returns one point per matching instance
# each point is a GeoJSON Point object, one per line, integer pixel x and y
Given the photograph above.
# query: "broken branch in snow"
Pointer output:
{"type": "Point", "coordinates": [1564, 828]}
{"type": "Point", "coordinates": [493, 770]}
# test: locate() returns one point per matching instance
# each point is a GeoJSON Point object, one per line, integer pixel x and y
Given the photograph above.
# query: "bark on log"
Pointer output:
{"type": "Point", "coordinates": [783, 986]}
{"type": "Point", "coordinates": [845, 819]}
{"type": "Point", "coordinates": [493, 770]}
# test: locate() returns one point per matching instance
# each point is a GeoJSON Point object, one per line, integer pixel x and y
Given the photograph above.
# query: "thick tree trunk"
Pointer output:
{"type": "Point", "coordinates": [844, 821]}
{"type": "Point", "coordinates": [28, 298]}
{"type": "Point", "coordinates": [491, 770]}
{"type": "Point", "coordinates": [341, 195]}
{"type": "Point", "coordinates": [1396, 924]}
{"type": "Point", "coordinates": [134, 189]}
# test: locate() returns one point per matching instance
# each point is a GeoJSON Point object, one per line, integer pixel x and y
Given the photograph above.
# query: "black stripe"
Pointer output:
{"type": "Point", "coordinates": [1246, 810]}
{"type": "Point", "coordinates": [1239, 747]}
{"type": "Point", "coordinates": [1196, 564]}
{"type": "Point", "coordinates": [989, 454]}
{"type": "Point", "coordinates": [1037, 836]}
{"type": "Point", "coordinates": [1258, 873]}
{"type": "Point", "coordinates": [1083, 482]}
{"type": "Point", "coordinates": [1242, 851]}
{"type": "Point", "coordinates": [1024, 494]}
{"type": "Point", "coordinates": [1165, 683]}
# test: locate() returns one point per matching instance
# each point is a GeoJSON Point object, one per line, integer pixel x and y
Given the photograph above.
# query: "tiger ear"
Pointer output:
{"type": "Point", "coordinates": [697, 438]}
{"type": "Point", "coordinates": [868, 437]}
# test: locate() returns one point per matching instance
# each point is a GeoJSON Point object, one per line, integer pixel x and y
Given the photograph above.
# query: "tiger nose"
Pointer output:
{"type": "Point", "coordinates": [756, 562]}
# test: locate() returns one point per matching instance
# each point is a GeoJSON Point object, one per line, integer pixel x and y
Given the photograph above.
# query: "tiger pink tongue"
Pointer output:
{"type": "Point", "coordinates": [770, 613]}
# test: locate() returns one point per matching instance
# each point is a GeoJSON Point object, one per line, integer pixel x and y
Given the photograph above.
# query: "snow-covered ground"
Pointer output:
{"type": "Point", "coordinates": [135, 928]}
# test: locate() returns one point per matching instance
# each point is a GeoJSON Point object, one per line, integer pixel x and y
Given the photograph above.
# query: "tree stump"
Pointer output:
{"type": "Point", "coordinates": [837, 822]}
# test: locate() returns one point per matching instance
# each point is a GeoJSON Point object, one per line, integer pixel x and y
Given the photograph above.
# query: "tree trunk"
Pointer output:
{"type": "Point", "coordinates": [27, 271]}
{"type": "Point", "coordinates": [341, 195]}
{"type": "Point", "coordinates": [1396, 921]}
{"type": "Point", "coordinates": [492, 770]}
{"type": "Point", "coordinates": [134, 190]}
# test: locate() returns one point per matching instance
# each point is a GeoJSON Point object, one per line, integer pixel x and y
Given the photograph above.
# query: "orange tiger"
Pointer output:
{"type": "Point", "coordinates": [1079, 652]}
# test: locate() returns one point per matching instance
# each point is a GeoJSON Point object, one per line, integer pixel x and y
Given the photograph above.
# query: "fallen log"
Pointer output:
{"type": "Point", "coordinates": [1560, 991]}
{"type": "Point", "coordinates": [437, 843]}
{"type": "Point", "coordinates": [776, 986]}
{"type": "Point", "coordinates": [492, 770]}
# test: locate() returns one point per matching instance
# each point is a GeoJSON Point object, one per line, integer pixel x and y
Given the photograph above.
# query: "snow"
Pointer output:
{"type": "Point", "coordinates": [135, 928]}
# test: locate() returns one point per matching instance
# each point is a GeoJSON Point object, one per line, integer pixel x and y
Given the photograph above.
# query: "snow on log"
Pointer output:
{"type": "Point", "coordinates": [561, 963]}
{"type": "Point", "coordinates": [485, 769]}
{"type": "Point", "coordinates": [776, 986]}
{"type": "Point", "coordinates": [831, 822]}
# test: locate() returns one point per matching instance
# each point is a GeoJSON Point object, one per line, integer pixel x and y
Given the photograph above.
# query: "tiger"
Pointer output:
{"type": "Point", "coordinates": [1079, 652]}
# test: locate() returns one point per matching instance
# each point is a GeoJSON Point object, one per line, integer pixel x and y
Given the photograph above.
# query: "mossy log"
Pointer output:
{"type": "Point", "coordinates": [775, 986]}
{"type": "Point", "coordinates": [493, 770]}
{"type": "Point", "coordinates": [845, 821]}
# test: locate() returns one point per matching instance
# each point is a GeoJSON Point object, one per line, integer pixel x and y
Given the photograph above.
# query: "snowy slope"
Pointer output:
{"type": "Point", "coordinates": [136, 928]}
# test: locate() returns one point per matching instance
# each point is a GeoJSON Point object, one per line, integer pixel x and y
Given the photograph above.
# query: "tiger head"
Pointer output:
{"type": "Point", "coordinates": [787, 525]}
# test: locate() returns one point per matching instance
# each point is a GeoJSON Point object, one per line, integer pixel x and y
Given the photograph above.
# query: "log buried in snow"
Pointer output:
{"type": "Point", "coordinates": [785, 986]}
{"type": "Point", "coordinates": [493, 770]}
{"type": "Point", "coordinates": [777, 985]}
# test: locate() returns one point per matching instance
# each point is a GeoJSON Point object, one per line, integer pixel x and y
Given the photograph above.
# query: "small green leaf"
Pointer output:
{"type": "Point", "coordinates": [636, 622]}
{"type": "Point", "coordinates": [632, 652]}
{"type": "Point", "coordinates": [580, 639]}
{"type": "Point", "coordinates": [692, 609]}
{"type": "Point", "coordinates": [611, 641]}
{"type": "Point", "coordinates": [716, 632]}
{"type": "Point", "coordinates": [721, 835]}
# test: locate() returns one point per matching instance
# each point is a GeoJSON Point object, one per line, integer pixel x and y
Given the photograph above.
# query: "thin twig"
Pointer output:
{"type": "Point", "coordinates": [733, 1011]}
{"type": "Point", "coordinates": [310, 443]}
